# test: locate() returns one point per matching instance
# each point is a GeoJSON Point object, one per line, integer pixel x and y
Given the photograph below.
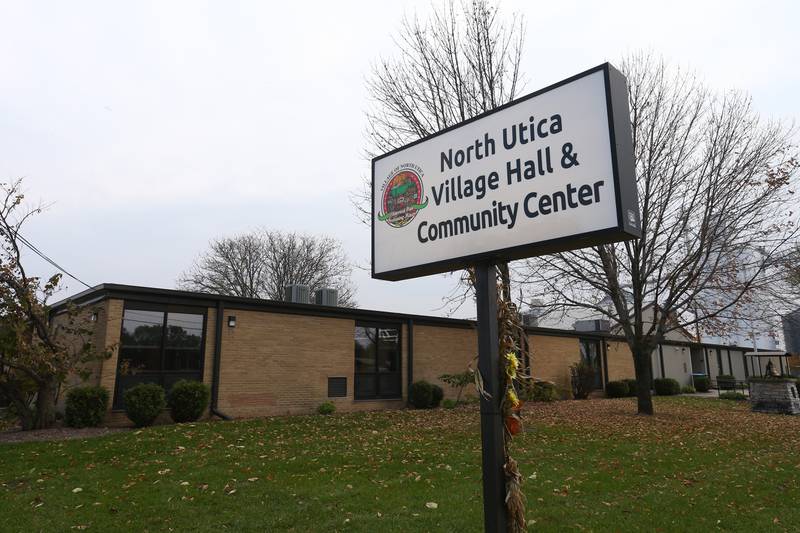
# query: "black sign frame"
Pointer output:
{"type": "Point", "coordinates": [624, 177]}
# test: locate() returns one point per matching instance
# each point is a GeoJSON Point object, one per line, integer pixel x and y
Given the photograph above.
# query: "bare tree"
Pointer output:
{"type": "Point", "coordinates": [262, 263]}
{"type": "Point", "coordinates": [715, 192]}
{"type": "Point", "coordinates": [461, 62]}
{"type": "Point", "coordinates": [232, 265]}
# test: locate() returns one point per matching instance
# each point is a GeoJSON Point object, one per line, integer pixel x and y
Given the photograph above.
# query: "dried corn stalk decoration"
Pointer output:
{"type": "Point", "coordinates": [513, 344]}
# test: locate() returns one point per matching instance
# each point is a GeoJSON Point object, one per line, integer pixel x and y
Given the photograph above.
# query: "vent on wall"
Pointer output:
{"type": "Point", "coordinates": [337, 387]}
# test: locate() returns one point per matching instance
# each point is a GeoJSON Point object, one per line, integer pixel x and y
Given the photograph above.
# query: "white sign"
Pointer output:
{"type": "Point", "coordinates": [551, 171]}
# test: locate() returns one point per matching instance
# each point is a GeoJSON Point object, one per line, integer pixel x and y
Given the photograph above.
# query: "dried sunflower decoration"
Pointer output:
{"type": "Point", "coordinates": [511, 343]}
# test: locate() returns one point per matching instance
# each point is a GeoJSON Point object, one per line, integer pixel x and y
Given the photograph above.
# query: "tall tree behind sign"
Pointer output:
{"type": "Point", "coordinates": [716, 191]}
{"type": "Point", "coordinates": [461, 62]}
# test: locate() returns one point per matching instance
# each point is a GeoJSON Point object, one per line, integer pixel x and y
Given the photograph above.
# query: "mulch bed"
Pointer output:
{"type": "Point", "coordinates": [15, 435]}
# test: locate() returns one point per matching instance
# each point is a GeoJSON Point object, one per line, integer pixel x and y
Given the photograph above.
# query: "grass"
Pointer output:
{"type": "Point", "coordinates": [698, 465]}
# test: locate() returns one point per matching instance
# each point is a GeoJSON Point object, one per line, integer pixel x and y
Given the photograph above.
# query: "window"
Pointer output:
{"type": "Point", "coordinates": [159, 344]}
{"type": "Point", "coordinates": [377, 362]}
{"type": "Point", "coordinates": [590, 353]}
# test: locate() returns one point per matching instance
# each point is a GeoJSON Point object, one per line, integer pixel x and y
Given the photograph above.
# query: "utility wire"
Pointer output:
{"type": "Point", "coordinates": [41, 254]}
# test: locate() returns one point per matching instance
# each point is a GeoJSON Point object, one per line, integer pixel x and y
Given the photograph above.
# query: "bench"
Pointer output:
{"type": "Point", "coordinates": [734, 385]}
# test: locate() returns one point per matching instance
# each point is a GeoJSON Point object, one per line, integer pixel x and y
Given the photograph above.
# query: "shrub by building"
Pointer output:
{"type": "Point", "coordinates": [144, 402]}
{"type": "Point", "coordinates": [437, 395]}
{"type": "Point", "coordinates": [420, 394]}
{"type": "Point", "coordinates": [188, 400]}
{"type": "Point", "coordinates": [632, 386]}
{"type": "Point", "coordinates": [326, 408]}
{"type": "Point", "coordinates": [582, 378]}
{"type": "Point", "coordinates": [666, 386]}
{"type": "Point", "coordinates": [737, 396]}
{"type": "Point", "coordinates": [539, 391]}
{"type": "Point", "coordinates": [458, 381]}
{"type": "Point", "coordinates": [702, 383]}
{"type": "Point", "coordinates": [617, 389]}
{"type": "Point", "coordinates": [86, 406]}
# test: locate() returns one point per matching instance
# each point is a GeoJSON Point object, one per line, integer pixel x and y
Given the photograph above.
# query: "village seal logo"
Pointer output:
{"type": "Point", "coordinates": [403, 196]}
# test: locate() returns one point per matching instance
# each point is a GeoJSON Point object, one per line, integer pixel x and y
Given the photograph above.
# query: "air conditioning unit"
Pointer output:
{"type": "Point", "coordinates": [530, 319]}
{"type": "Point", "coordinates": [593, 325]}
{"type": "Point", "coordinates": [326, 296]}
{"type": "Point", "coordinates": [298, 294]}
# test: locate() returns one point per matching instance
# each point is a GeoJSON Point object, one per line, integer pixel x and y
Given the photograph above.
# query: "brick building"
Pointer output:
{"type": "Point", "coordinates": [263, 357]}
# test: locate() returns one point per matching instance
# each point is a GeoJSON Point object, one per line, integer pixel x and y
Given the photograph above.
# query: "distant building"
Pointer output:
{"type": "Point", "coordinates": [791, 331]}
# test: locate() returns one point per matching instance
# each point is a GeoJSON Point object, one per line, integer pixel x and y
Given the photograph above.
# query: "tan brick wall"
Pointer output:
{"type": "Point", "coordinates": [208, 362]}
{"type": "Point", "coordinates": [274, 364]}
{"type": "Point", "coordinates": [551, 358]}
{"type": "Point", "coordinates": [102, 337]}
{"type": "Point", "coordinates": [279, 364]}
{"type": "Point", "coordinates": [442, 350]}
{"type": "Point", "coordinates": [620, 361]}
{"type": "Point", "coordinates": [111, 332]}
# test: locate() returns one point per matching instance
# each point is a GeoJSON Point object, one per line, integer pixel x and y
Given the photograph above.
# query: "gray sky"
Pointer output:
{"type": "Point", "coordinates": [153, 126]}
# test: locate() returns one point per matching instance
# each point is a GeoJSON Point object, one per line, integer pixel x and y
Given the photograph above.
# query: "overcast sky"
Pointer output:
{"type": "Point", "coordinates": [152, 127]}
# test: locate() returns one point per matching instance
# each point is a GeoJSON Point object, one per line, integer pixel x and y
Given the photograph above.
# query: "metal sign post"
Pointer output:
{"type": "Point", "coordinates": [494, 486]}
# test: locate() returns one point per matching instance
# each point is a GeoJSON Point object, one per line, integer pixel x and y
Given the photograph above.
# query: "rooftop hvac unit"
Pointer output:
{"type": "Point", "coordinates": [326, 296]}
{"type": "Point", "coordinates": [530, 319]}
{"type": "Point", "coordinates": [298, 294]}
{"type": "Point", "coordinates": [593, 325]}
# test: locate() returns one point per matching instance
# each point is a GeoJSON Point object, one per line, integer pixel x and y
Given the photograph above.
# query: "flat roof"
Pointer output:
{"type": "Point", "coordinates": [180, 297]}
{"type": "Point", "coordinates": [768, 353]}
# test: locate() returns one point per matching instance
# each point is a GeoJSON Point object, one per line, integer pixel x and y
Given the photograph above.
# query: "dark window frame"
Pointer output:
{"type": "Point", "coordinates": [398, 374]}
{"type": "Point", "coordinates": [600, 374]}
{"type": "Point", "coordinates": [158, 375]}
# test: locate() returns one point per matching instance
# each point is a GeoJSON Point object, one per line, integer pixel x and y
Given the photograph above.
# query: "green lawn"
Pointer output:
{"type": "Point", "coordinates": [698, 465]}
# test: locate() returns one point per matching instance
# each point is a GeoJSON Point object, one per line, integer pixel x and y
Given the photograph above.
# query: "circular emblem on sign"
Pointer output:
{"type": "Point", "coordinates": [402, 198]}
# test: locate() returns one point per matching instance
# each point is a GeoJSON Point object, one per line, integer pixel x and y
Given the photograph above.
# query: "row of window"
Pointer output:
{"type": "Point", "coordinates": [163, 344]}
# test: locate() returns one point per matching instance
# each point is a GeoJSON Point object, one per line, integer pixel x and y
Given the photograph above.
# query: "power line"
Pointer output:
{"type": "Point", "coordinates": [41, 254]}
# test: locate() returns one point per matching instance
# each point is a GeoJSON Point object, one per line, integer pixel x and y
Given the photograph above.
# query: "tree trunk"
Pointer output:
{"type": "Point", "coordinates": [642, 364]}
{"type": "Point", "coordinates": [18, 403]}
{"type": "Point", "coordinates": [27, 416]}
{"type": "Point", "coordinates": [45, 405]}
